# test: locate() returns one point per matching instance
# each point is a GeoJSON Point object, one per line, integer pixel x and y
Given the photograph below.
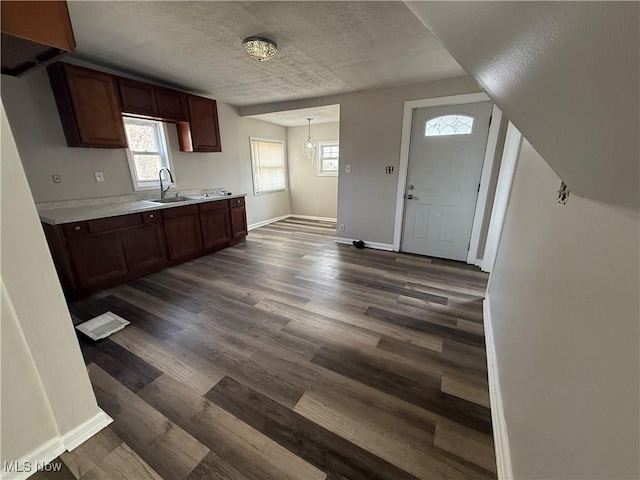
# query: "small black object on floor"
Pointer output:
{"type": "Point", "coordinates": [358, 243]}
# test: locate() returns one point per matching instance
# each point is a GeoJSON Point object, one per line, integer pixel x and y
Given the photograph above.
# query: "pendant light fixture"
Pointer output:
{"type": "Point", "coordinates": [309, 145]}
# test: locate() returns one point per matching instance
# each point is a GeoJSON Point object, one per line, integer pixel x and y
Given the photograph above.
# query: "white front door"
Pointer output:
{"type": "Point", "coordinates": [445, 163]}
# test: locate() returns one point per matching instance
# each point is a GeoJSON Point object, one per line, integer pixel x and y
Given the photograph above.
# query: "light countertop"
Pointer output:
{"type": "Point", "coordinates": [91, 212]}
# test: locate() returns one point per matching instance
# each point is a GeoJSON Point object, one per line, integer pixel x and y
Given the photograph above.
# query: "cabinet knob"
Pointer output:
{"type": "Point", "coordinates": [151, 215]}
{"type": "Point", "coordinates": [77, 228]}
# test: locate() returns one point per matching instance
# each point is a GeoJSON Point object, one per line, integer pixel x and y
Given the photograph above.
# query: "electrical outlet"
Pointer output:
{"type": "Point", "coordinates": [57, 178]}
{"type": "Point", "coordinates": [342, 227]}
{"type": "Point", "coordinates": [347, 168]}
{"type": "Point", "coordinates": [99, 176]}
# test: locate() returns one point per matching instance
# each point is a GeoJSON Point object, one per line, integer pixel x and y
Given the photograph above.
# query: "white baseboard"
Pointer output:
{"type": "Point", "coordinates": [50, 450]}
{"type": "Point", "coordinates": [500, 436]}
{"type": "Point", "coordinates": [28, 464]}
{"type": "Point", "coordinates": [84, 432]}
{"type": "Point", "coordinates": [311, 217]}
{"type": "Point", "coordinates": [374, 245]}
{"type": "Point", "coordinates": [267, 222]}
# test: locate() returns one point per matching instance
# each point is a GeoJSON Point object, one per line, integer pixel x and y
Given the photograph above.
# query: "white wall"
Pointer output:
{"type": "Point", "coordinates": [34, 119]}
{"type": "Point", "coordinates": [45, 386]}
{"type": "Point", "coordinates": [370, 136]}
{"type": "Point", "coordinates": [27, 420]}
{"type": "Point", "coordinates": [563, 298]}
{"type": "Point", "coordinates": [565, 73]}
{"type": "Point", "coordinates": [310, 193]}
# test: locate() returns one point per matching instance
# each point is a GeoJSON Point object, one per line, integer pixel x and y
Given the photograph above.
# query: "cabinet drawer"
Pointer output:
{"type": "Point", "coordinates": [152, 217]}
{"type": "Point", "coordinates": [180, 211]}
{"type": "Point", "coordinates": [114, 223]}
{"type": "Point", "coordinates": [215, 205]}
{"type": "Point", "coordinates": [75, 229]}
{"type": "Point", "coordinates": [237, 202]}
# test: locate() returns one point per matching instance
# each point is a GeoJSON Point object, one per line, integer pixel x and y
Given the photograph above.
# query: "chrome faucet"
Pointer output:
{"type": "Point", "coordinates": [163, 190]}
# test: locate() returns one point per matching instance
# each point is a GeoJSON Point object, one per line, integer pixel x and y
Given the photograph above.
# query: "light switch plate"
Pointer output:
{"type": "Point", "coordinates": [99, 176]}
{"type": "Point", "coordinates": [347, 168]}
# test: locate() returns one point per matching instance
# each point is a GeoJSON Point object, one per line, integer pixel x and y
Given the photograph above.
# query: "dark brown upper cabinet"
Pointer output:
{"type": "Point", "coordinates": [138, 98]}
{"type": "Point", "coordinates": [88, 105]}
{"type": "Point", "coordinates": [91, 105]}
{"type": "Point", "coordinates": [172, 105]}
{"type": "Point", "coordinates": [34, 33]}
{"type": "Point", "coordinates": [202, 133]}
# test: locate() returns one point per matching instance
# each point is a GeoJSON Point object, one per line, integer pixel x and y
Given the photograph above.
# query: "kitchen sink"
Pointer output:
{"type": "Point", "coordinates": [170, 200]}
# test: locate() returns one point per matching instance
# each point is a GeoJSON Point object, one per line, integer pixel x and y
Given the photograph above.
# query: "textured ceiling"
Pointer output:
{"type": "Point", "coordinates": [323, 47]}
{"type": "Point", "coordinates": [295, 118]}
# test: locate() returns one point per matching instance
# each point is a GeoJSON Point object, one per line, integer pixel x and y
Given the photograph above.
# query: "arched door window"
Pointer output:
{"type": "Point", "coordinates": [449, 125]}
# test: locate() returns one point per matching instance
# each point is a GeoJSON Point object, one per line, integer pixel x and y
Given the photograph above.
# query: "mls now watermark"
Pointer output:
{"type": "Point", "coordinates": [15, 466]}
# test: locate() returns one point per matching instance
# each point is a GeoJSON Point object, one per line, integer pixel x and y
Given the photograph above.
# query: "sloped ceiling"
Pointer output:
{"type": "Point", "coordinates": [323, 47]}
{"type": "Point", "coordinates": [566, 74]}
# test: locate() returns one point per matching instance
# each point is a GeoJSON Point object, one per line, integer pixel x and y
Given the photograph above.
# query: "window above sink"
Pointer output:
{"type": "Point", "coordinates": [148, 152]}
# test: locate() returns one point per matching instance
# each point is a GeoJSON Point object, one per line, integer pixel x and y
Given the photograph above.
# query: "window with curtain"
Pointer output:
{"type": "Point", "coordinates": [267, 163]}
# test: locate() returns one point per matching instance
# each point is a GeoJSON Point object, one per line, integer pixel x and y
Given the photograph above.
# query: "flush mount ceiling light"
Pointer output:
{"type": "Point", "coordinates": [309, 145]}
{"type": "Point", "coordinates": [259, 48]}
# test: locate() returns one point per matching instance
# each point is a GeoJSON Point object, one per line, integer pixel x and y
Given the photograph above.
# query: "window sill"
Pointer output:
{"type": "Point", "coordinates": [149, 187]}
{"type": "Point", "coordinates": [257, 194]}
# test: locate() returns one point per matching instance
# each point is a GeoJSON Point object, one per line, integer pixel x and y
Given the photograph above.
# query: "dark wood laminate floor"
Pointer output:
{"type": "Point", "coordinates": [292, 357]}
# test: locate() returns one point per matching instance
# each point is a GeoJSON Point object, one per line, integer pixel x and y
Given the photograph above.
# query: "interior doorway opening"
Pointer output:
{"type": "Point", "coordinates": [313, 160]}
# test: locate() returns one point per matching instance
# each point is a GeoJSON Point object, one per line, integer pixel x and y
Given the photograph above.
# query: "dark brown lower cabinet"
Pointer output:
{"type": "Point", "coordinates": [183, 232]}
{"type": "Point", "coordinates": [216, 229]}
{"type": "Point", "coordinates": [97, 259]}
{"type": "Point", "coordinates": [144, 247]}
{"type": "Point", "coordinates": [238, 224]}
{"type": "Point", "coordinates": [101, 253]}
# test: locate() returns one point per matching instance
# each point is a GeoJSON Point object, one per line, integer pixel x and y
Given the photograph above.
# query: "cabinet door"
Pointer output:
{"type": "Point", "coordinates": [89, 106]}
{"type": "Point", "coordinates": [216, 228]}
{"type": "Point", "coordinates": [172, 105]}
{"type": "Point", "coordinates": [144, 247]}
{"type": "Point", "coordinates": [137, 98]}
{"type": "Point", "coordinates": [238, 222]}
{"type": "Point", "coordinates": [184, 236]}
{"type": "Point", "coordinates": [202, 133]}
{"type": "Point", "coordinates": [97, 259]}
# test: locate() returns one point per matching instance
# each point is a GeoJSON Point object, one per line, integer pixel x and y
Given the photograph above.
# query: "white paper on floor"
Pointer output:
{"type": "Point", "coordinates": [102, 326]}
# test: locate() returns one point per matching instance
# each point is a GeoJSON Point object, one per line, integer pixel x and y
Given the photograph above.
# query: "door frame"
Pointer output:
{"type": "Point", "coordinates": [510, 156]}
{"type": "Point", "coordinates": [487, 165]}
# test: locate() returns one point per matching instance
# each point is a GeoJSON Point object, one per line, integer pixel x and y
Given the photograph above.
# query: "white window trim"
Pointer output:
{"type": "Point", "coordinates": [319, 160]}
{"type": "Point", "coordinates": [139, 186]}
{"type": "Point", "coordinates": [284, 165]}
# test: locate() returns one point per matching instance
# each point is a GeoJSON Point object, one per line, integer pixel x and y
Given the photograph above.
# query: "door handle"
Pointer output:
{"type": "Point", "coordinates": [409, 197]}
